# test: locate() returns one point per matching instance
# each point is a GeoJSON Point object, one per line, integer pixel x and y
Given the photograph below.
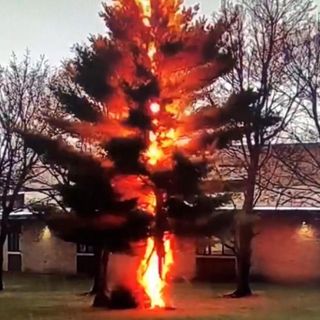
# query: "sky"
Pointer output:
{"type": "Point", "coordinates": [52, 27]}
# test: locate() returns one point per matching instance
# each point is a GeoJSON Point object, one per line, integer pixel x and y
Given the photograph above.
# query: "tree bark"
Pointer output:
{"type": "Point", "coordinates": [243, 264]}
{"type": "Point", "coordinates": [244, 233]}
{"type": "Point", "coordinates": [1, 268]}
{"type": "Point", "coordinates": [96, 279]}
{"type": "Point", "coordinates": [102, 299]}
{"type": "Point", "coordinates": [96, 276]}
{"type": "Point", "coordinates": [3, 236]}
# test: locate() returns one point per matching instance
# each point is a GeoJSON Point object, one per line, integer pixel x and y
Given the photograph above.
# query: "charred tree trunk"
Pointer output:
{"type": "Point", "coordinates": [102, 299]}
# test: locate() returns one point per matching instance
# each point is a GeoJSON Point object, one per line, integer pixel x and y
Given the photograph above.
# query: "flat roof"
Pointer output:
{"type": "Point", "coordinates": [265, 208]}
{"type": "Point", "coordinates": [19, 214]}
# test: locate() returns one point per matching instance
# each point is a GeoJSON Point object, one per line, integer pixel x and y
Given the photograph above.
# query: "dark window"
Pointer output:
{"type": "Point", "coordinates": [212, 246]}
{"type": "Point", "coordinates": [14, 262]}
{"type": "Point", "coordinates": [85, 249]}
{"type": "Point", "coordinates": [18, 201]}
{"type": "Point", "coordinates": [14, 242]}
{"type": "Point", "coordinates": [86, 264]}
{"type": "Point", "coordinates": [235, 185]}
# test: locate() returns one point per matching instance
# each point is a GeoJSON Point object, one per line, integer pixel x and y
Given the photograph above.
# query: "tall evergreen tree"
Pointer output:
{"type": "Point", "coordinates": [128, 97]}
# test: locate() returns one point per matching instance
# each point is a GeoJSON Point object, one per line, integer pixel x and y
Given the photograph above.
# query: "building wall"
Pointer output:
{"type": "Point", "coordinates": [287, 250]}
{"type": "Point", "coordinates": [44, 253]}
{"type": "Point", "coordinates": [184, 267]}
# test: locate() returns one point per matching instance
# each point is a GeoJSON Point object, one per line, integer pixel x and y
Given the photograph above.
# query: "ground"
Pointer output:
{"type": "Point", "coordinates": [59, 298]}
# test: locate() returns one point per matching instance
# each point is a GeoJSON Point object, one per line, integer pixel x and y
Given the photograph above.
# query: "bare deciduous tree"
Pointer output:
{"type": "Point", "coordinates": [301, 161]}
{"type": "Point", "coordinates": [24, 96]}
{"type": "Point", "coordinates": [260, 41]}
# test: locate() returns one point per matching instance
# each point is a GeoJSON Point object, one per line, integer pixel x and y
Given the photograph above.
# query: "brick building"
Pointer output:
{"type": "Point", "coordinates": [286, 246]}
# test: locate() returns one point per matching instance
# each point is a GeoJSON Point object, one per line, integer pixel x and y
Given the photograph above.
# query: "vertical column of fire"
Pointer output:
{"type": "Point", "coordinates": [158, 258]}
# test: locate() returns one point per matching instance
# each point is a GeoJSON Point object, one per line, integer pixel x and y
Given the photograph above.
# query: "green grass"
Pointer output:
{"type": "Point", "coordinates": [57, 298]}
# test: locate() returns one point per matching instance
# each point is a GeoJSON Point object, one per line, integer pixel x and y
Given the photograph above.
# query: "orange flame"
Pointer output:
{"type": "Point", "coordinates": [160, 148]}
{"type": "Point", "coordinates": [145, 6]}
{"type": "Point", "coordinates": [150, 277]}
{"type": "Point", "coordinates": [154, 267]}
{"type": "Point", "coordinates": [152, 50]}
{"type": "Point", "coordinates": [154, 153]}
{"type": "Point", "coordinates": [131, 186]}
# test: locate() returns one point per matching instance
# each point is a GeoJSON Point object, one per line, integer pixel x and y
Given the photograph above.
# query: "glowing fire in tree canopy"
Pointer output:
{"type": "Point", "coordinates": [129, 103]}
{"type": "Point", "coordinates": [145, 7]}
{"type": "Point", "coordinates": [156, 263]}
{"type": "Point", "coordinates": [176, 69]}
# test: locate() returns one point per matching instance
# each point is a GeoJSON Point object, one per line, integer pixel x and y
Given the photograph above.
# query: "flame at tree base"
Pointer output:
{"type": "Point", "coordinates": [153, 271]}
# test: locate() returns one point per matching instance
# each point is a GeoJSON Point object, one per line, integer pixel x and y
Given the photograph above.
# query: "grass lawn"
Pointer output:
{"type": "Point", "coordinates": [52, 298]}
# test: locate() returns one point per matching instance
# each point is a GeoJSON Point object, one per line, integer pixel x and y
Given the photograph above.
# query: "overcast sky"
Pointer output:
{"type": "Point", "coordinates": [51, 27]}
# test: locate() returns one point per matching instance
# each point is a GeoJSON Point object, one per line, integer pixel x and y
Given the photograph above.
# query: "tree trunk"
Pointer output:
{"type": "Point", "coordinates": [96, 279]}
{"type": "Point", "coordinates": [1, 268]}
{"type": "Point", "coordinates": [101, 299]}
{"type": "Point", "coordinates": [96, 276]}
{"type": "Point", "coordinates": [244, 233]}
{"type": "Point", "coordinates": [243, 262]}
{"type": "Point", "coordinates": [160, 227]}
{"type": "Point", "coordinates": [3, 236]}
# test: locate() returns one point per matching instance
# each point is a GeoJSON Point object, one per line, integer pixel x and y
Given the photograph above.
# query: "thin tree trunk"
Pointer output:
{"type": "Point", "coordinates": [244, 233]}
{"type": "Point", "coordinates": [1, 268]}
{"type": "Point", "coordinates": [96, 276]}
{"type": "Point", "coordinates": [102, 299]}
{"type": "Point", "coordinates": [3, 236]}
{"type": "Point", "coordinates": [96, 279]}
{"type": "Point", "coordinates": [160, 227]}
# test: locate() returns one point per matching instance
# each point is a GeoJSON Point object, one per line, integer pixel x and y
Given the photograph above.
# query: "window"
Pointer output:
{"type": "Point", "coordinates": [19, 201]}
{"type": "Point", "coordinates": [212, 246]}
{"type": "Point", "coordinates": [14, 242]}
{"type": "Point", "coordinates": [85, 249]}
{"type": "Point", "coordinates": [235, 185]}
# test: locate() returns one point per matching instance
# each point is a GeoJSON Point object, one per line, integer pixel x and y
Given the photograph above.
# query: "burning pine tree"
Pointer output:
{"type": "Point", "coordinates": [128, 99]}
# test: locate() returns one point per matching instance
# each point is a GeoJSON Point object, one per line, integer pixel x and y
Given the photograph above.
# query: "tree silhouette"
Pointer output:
{"type": "Point", "coordinates": [23, 97]}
